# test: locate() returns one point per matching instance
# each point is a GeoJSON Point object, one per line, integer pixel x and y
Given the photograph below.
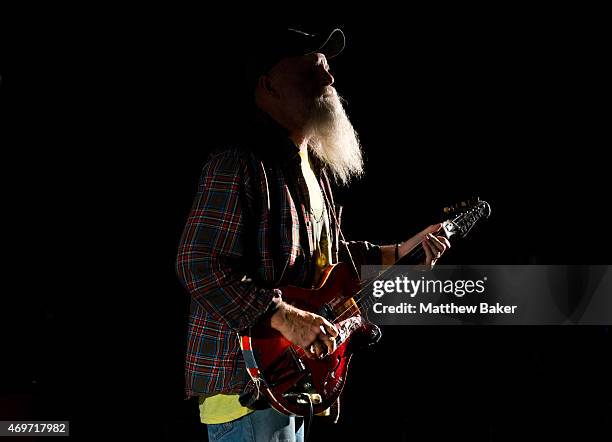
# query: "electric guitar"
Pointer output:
{"type": "Point", "coordinates": [297, 385]}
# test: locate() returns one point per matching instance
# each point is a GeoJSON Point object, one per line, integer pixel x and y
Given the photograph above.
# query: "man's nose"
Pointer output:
{"type": "Point", "coordinates": [326, 78]}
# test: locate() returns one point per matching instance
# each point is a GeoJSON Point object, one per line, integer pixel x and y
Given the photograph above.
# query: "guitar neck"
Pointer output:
{"type": "Point", "coordinates": [460, 225]}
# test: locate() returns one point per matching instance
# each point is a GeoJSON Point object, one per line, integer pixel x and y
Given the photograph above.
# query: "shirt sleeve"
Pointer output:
{"type": "Point", "coordinates": [211, 255]}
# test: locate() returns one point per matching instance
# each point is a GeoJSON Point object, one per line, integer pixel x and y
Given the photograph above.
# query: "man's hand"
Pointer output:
{"type": "Point", "coordinates": [315, 334]}
{"type": "Point", "coordinates": [433, 245]}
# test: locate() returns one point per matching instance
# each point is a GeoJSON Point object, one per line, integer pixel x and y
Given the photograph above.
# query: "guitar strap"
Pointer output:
{"type": "Point", "coordinates": [332, 209]}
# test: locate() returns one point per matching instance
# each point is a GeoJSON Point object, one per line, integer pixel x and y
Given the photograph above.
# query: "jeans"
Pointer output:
{"type": "Point", "coordinates": [266, 425]}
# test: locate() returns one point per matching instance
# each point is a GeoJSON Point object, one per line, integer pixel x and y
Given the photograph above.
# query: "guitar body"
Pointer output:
{"type": "Point", "coordinates": [291, 380]}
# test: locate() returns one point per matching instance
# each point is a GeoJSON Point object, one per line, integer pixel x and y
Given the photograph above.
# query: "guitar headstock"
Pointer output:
{"type": "Point", "coordinates": [464, 216]}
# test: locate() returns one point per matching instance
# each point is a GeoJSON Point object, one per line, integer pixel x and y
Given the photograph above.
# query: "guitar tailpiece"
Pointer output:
{"type": "Point", "coordinates": [304, 398]}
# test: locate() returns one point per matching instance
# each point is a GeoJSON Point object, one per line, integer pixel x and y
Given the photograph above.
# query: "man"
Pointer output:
{"type": "Point", "coordinates": [264, 217]}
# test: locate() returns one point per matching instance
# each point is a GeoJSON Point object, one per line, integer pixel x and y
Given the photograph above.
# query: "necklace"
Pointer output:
{"type": "Point", "coordinates": [318, 217]}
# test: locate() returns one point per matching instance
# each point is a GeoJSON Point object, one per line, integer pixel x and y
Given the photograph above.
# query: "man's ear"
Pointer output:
{"type": "Point", "coordinates": [265, 83]}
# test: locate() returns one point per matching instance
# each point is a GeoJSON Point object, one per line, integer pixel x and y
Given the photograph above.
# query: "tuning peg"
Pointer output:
{"type": "Point", "coordinates": [463, 206]}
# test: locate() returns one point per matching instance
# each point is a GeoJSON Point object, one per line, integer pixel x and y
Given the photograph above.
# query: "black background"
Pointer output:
{"type": "Point", "coordinates": [108, 117]}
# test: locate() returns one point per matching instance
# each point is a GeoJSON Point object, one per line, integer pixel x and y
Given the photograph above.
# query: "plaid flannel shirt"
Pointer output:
{"type": "Point", "coordinates": [249, 231]}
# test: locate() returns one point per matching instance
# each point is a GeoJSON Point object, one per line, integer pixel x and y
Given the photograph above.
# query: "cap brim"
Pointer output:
{"type": "Point", "coordinates": [334, 45]}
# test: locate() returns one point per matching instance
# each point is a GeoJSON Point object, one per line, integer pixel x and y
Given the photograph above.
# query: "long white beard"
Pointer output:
{"type": "Point", "coordinates": [333, 139]}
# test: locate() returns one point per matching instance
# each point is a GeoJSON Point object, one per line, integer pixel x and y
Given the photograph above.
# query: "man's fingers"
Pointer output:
{"type": "Point", "coordinates": [428, 231]}
{"type": "Point", "coordinates": [320, 349]}
{"type": "Point", "coordinates": [310, 352]}
{"type": "Point", "coordinates": [321, 338]}
{"type": "Point", "coordinates": [411, 243]}
{"type": "Point", "coordinates": [328, 342]}
{"type": "Point", "coordinates": [429, 254]}
{"type": "Point", "coordinates": [438, 247]}
{"type": "Point", "coordinates": [313, 333]}
{"type": "Point", "coordinates": [328, 336]}
{"type": "Point", "coordinates": [427, 249]}
{"type": "Point", "coordinates": [432, 229]}
{"type": "Point", "coordinates": [328, 328]}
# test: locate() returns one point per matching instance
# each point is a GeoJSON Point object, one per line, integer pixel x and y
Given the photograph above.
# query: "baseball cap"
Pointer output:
{"type": "Point", "coordinates": [269, 47]}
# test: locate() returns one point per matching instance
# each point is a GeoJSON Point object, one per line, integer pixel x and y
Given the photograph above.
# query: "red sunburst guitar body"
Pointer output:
{"type": "Point", "coordinates": [291, 380]}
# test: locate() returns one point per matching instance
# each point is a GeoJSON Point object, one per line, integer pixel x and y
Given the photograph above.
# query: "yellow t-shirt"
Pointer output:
{"type": "Point", "coordinates": [318, 216]}
{"type": "Point", "coordinates": [222, 408]}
